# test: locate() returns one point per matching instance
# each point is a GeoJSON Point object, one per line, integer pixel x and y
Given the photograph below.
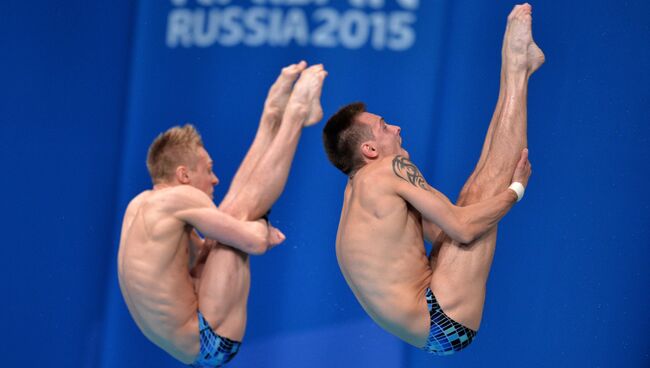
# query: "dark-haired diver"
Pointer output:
{"type": "Point", "coordinates": [436, 302]}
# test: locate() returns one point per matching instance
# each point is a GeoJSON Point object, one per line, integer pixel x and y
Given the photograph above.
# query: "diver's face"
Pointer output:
{"type": "Point", "coordinates": [387, 137]}
{"type": "Point", "coordinates": [202, 177]}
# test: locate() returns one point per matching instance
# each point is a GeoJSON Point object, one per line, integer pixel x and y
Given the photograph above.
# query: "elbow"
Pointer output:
{"type": "Point", "coordinates": [259, 250]}
{"type": "Point", "coordinates": [257, 246]}
{"type": "Point", "coordinates": [466, 236]}
{"type": "Point", "coordinates": [459, 226]}
{"type": "Point", "coordinates": [466, 233]}
{"type": "Point", "coordinates": [471, 233]}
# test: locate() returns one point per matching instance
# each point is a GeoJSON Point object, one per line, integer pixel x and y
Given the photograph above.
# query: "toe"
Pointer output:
{"type": "Point", "coordinates": [294, 68]}
{"type": "Point", "coordinates": [315, 68]}
{"type": "Point", "coordinates": [513, 12]}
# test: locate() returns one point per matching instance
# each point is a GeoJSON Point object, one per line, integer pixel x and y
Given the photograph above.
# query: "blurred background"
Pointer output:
{"type": "Point", "coordinates": [87, 85]}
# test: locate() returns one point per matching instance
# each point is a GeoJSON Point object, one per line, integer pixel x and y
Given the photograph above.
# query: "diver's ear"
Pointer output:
{"type": "Point", "coordinates": [182, 174]}
{"type": "Point", "coordinates": [369, 150]}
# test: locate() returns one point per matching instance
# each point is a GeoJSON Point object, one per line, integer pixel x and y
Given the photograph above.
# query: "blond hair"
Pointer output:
{"type": "Point", "coordinates": [175, 147]}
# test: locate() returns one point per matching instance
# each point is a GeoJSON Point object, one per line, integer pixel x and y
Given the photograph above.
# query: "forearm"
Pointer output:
{"type": "Point", "coordinates": [226, 229]}
{"type": "Point", "coordinates": [480, 217]}
{"type": "Point", "coordinates": [247, 239]}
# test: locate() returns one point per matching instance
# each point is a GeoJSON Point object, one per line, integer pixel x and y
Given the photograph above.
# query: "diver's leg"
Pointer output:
{"type": "Point", "coordinates": [460, 271]}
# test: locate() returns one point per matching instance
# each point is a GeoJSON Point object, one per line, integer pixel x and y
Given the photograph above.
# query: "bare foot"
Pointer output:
{"type": "Point", "coordinates": [305, 97]}
{"type": "Point", "coordinates": [520, 53]}
{"type": "Point", "coordinates": [278, 96]}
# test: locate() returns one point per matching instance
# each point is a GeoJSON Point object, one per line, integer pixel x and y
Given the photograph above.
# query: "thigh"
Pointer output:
{"type": "Point", "coordinates": [223, 291]}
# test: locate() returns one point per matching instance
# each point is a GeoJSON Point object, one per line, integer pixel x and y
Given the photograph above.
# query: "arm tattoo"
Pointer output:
{"type": "Point", "coordinates": [406, 170]}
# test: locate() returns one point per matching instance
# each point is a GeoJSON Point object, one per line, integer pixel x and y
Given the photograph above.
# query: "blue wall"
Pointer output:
{"type": "Point", "coordinates": [86, 86]}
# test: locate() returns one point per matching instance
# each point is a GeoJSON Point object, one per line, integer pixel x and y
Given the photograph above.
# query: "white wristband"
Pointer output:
{"type": "Point", "coordinates": [518, 188]}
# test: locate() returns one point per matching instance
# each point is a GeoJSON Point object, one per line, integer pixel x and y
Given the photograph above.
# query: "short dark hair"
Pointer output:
{"type": "Point", "coordinates": [177, 146]}
{"type": "Point", "coordinates": [342, 136]}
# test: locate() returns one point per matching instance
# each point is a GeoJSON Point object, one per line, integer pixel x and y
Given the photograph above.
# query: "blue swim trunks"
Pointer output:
{"type": "Point", "coordinates": [215, 350]}
{"type": "Point", "coordinates": [446, 336]}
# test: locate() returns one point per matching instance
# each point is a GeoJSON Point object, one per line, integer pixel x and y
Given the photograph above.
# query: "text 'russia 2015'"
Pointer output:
{"type": "Point", "coordinates": [351, 24]}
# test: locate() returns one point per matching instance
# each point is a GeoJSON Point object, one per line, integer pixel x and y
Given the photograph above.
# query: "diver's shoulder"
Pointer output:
{"type": "Point", "coordinates": [139, 199]}
{"type": "Point", "coordinates": [375, 173]}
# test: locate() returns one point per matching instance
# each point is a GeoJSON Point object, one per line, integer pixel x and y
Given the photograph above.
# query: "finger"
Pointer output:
{"type": "Point", "coordinates": [524, 157]}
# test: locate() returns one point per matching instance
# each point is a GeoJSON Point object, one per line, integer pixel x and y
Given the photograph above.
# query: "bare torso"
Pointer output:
{"type": "Point", "coordinates": [381, 253]}
{"type": "Point", "coordinates": [154, 275]}
{"type": "Point", "coordinates": [380, 249]}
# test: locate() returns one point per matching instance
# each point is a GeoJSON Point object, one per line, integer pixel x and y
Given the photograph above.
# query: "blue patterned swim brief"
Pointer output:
{"type": "Point", "coordinates": [215, 350]}
{"type": "Point", "coordinates": [446, 336]}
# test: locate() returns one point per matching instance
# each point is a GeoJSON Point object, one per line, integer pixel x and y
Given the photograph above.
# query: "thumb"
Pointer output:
{"type": "Point", "coordinates": [281, 236]}
{"type": "Point", "coordinates": [277, 235]}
